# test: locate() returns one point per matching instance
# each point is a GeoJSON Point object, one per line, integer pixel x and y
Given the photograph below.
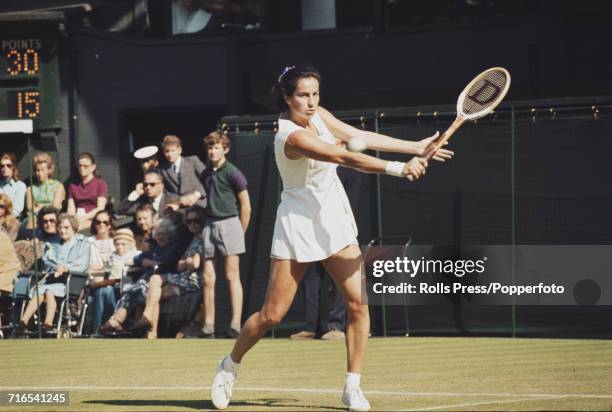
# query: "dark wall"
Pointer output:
{"type": "Point", "coordinates": [550, 55]}
{"type": "Point", "coordinates": [117, 78]}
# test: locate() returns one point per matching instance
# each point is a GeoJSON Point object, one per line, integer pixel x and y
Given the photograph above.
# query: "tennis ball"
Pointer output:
{"type": "Point", "coordinates": [356, 144]}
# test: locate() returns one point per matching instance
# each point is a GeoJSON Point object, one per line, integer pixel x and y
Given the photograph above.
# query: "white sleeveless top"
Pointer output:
{"type": "Point", "coordinates": [314, 219]}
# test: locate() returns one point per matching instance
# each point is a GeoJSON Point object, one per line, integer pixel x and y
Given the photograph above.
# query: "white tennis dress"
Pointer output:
{"type": "Point", "coordinates": [314, 219]}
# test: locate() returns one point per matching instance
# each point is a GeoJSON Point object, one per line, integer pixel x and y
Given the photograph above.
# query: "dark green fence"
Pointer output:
{"type": "Point", "coordinates": [531, 173]}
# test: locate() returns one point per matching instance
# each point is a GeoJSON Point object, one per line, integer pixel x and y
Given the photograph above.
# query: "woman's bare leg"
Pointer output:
{"type": "Point", "coordinates": [151, 311]}
{"type": "Point", "coordinates": [51, 306]}
{"type": "Point", "coordinates": [285, 277]}
{"type": "Point", "coordinates": [31, 307]}
{"type": "Point", "coordinates": [345, 268]}
{"type": "Point", "coordinates": [119, 316]}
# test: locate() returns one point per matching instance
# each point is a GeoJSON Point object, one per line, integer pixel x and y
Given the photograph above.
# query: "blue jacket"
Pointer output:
{"type": "Point", "coordinates": [74, 255]}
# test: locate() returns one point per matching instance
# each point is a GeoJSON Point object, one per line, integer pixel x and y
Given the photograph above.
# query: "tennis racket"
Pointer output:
{"type": "Point", "coordinates": [479, 98]}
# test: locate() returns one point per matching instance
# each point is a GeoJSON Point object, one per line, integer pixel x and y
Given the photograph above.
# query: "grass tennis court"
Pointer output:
{"type": "Point", "coordinates": [400, 374]}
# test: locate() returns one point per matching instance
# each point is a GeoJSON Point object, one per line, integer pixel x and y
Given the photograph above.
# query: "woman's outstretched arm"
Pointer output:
{"type": "Point", "coordinates": [377, 141]}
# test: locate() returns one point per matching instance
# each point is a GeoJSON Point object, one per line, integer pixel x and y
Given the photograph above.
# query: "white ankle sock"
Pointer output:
{"type": "Point", "coordinates": [353, 380]}
{"type": "Point", "coordinates": [229, 365]}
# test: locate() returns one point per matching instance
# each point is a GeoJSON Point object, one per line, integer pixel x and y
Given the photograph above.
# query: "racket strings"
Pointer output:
{"type": "Point", "coordinates": [486, 92]}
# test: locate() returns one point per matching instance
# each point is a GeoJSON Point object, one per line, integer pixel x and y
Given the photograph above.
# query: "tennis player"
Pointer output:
{"type": "Point", "coordinates": [314, 221]}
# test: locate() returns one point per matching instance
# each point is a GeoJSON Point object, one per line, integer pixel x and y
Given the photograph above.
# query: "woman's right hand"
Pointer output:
{"type": "Point", "coordinates": [415, 168]}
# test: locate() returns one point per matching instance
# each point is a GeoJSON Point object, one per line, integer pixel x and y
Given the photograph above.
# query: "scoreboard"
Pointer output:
{"type": "Point", "coordinates": [29, 77]}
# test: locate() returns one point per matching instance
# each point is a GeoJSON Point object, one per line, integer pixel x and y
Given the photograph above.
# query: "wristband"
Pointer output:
{"type": "Point", "coordinates": [395, 169]}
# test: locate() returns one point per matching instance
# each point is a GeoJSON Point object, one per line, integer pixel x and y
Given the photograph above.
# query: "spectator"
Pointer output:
{"type": "Point", "coordinates": [70, 254]}
{"type": "Point", "coordinates": [182, 175]}
{"type": "Point", "coordinates": [153, 194]}
{"type": "Point", "coordinates": [160, 258]}
{"type": "Point", "coordinates": [46, 231]}
{"type": "Point", "coordinates": [9, 266]}
{"type": "Point", "coordinates": [123, 256]}
{"type": "Point", "coordinates": [186, 279]}
{"type": "Point", "coordinates": [89, 194]}
{"type": "Point", "coordinates": [10, 183]}
{"type": "Point", "coordinates": [147, 157]}
{"type": "Point", "coordinates": [46, 192]}
{"type": "Point", "coordinates": [47, 224]}
{"type": "Point", "coordinates": [102, 229]}
{"type": "Point", "coordinates": [145, 221]}
{"type": "Point", "coordinates": [8, 223]}
{"type": "Point", "coordinates": [9, 263]}
{"type": "Point", "coordinates": [228, 212]}
{"type": "Point", "coordinates": [102, 290]}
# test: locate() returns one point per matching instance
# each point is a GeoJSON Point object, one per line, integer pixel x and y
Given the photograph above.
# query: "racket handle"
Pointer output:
{"type": "Point", "coordinates": [445, 136]}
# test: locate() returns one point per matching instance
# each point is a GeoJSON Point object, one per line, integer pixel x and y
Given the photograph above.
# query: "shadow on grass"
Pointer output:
{"type": "Point", "coordinates": [152, 404]}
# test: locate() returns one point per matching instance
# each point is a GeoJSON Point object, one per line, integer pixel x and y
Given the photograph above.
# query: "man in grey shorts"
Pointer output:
{"type": "Point", "coordinates": [228, 212]}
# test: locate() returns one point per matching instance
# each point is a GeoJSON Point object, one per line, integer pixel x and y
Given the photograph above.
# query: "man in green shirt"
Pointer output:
{"type": "Point", "coordinates": [228, 213]}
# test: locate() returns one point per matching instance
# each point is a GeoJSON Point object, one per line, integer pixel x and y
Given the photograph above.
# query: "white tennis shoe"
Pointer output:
{"type": "Point", "coordinates": [221, 391]}
{"type": "Point", "coordinates": [354, 399]}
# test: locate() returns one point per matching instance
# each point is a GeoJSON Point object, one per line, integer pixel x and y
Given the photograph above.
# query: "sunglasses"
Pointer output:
{"type": "Point", "coordinates": [2, 206]}
{"type": "Point", "coordinates": [102, 222]}
{"type": "Point", "coordinates": [147, 184]}
{"type": "Point", "coordinates": [192, 221]}
{"type": "Point", "coordinates": [6, 165]}
{"type": "Point", "coordinates": [45, 221]}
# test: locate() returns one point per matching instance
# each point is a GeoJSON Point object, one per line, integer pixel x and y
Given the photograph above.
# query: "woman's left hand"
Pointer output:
{"type": "Point", "coordinates": [429, 143]}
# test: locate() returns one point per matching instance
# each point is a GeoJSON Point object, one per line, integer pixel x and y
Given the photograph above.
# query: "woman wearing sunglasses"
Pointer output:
{"type": "Point", "coordinates": [103, 295]}
{"type": "Point", "coordinates": [10, 183]}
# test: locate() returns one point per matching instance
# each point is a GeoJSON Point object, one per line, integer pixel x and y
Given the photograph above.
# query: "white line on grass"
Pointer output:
{"type": "Point", "coordinates": [302, 390]}
{"type": "Point", "coordinates": [471, 404]}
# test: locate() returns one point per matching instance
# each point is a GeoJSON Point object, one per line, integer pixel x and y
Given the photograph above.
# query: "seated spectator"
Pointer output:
{"type": "Point", "coordinates": [102, 297]}
{"type": "Point", "coordinates": [46, 192]}
{"type": "Point", "coordinates": [8, 222]}
{"type": "Point", "coordinates": [47, 224]}
{"type": "Point", "coordinates": [182, 175]}
{"type": "Point", "coordinates": [160, 258]}
{"type": "Point", "coordinates": [147, 157]}
{"type": "Point", "coordinates": [10, 183]}
{"type": "Point", "coordinates": [70, 254]}
{"type": "Point", "coordinates": [145, 221]}
{"type": "Point", "coordinates": [176, 216]}
{"type": "Point", "coordinates": [9, 263]}
{"type": "Point", "coordinates": [102, 247]}
{"type": "Point", "coordinates": [88, 194]}
{"type": "Point", "coordinates": [153, 194]}
{"type": "Point", "coordinates": [123, 256]}
{"type": "Point", "coordinates": [187, 278]}
{"type": "Point", "coordinates": [46, 231]}
{"type": "Point", "coordinates": [9, 266]}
